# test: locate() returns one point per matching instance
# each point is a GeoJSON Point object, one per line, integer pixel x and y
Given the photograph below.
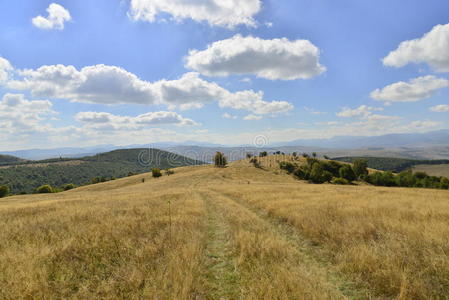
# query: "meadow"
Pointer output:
{"type": "Point", "coordinates": [238, 232]}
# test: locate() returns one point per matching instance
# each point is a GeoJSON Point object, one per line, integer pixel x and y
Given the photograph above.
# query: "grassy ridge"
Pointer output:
{"type": "Point", "coordinates": [26, 177]}
{"type": "Point", "coordinates": [238, 232]}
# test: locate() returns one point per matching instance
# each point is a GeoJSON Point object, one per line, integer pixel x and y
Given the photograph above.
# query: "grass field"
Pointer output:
{"type": "Point", "coordinates": [434, 170]}
{"type": "Point", "coordinates": [230, 233]}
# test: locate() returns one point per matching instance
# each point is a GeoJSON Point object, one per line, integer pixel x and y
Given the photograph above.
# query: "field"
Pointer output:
{"type": "Point", "coordinates": [434, 170]}
{"type": "Point", "coordinates": [225, 233]}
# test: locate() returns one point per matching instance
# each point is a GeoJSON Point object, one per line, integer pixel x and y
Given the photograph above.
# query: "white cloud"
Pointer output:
{"type": "Point", "coordinates": [113, 85]}
{"type": "Point", "coordinates": [252, 118]}
{"type": "Point", "coordinates": [103, 120]}
{"type": "Point", "coordinates": [229, 116]}
{"type": "Point", "coordinates": [57, 16]}
{"type": "Point", "coordinates": [19, 115]}
{"type": "Point", "coordinates": [270, 59]}
{"type": "Point", "coordinates": [432, 48]}
{"type": "Point", "coordinates": [5, 69]}
{"type": "Point", "coordinates": [414, 90]}
{"type": "Point", "coordinates": [224, 13]}
{"type": "Point", "coordinates": [362, 111]}
{"type": "Point", "coordinates": [313, 111]}
{"type": "Point", "coordinates": [440, 108]}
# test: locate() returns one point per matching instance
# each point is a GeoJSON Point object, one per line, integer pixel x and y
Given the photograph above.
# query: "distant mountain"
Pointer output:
{"type": "Point", "coordinates": [26, 176]}
{"type": "Point", "coordinates": [428, 139]}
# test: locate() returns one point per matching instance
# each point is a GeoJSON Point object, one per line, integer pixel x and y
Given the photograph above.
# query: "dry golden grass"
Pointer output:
{"type": "Point", "coordinates": [434, 170]}
{"type": "Point", "coordinates": [237, 232]}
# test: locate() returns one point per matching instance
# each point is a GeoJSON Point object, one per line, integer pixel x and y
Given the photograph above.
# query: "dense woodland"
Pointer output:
{"type": "Point", "coordinates": [26, 177]}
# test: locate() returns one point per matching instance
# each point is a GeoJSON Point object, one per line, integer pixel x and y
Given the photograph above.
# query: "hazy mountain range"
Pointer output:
{"type": "Point", "coordinates": [429, 145]}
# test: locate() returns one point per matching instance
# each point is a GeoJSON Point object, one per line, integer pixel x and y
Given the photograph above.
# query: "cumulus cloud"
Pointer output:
{"type": "Point", "coordinates": [362, 111]}
{"type": "Point", "coordinates": [252, 117]}
{"type": "Point", "coordinates": [5, 69]}
{"type": "Point", "coordinates": [113, 85]}
{"type": "Point", "coordinates": [229, 116]}
{"type": "Point", "coordinates": [57, 16]}
{"type": "Point", "coordinates": [270, 59]}
{"type": "Point", "coordinates": [104, 120]}
{"type": "Point", "coordinates": [432, 48]}
{"type": "Point", "coordinates": [229, 13]}
{"type": "Point", "coordinates": [18, 115]}
{"type": "Point", "coordinates": [312, 111]}
{"type": "Point", "coordinates": [440, 108]}
{"type": "Point", "coordinates": [416, 89]}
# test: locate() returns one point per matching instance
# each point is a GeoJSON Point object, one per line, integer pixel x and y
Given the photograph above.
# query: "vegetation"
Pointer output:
{"type": "Point", "coordinates": [360, 167]}
{"type": "Point", "coordinates": [91, 169]}
{"type": "Point", "coordinates": [226, 239]}
{"type": "Point", "coordinates": [4, 191]}
{"type": "Point", "coordinates": [8, 159]}
{"type": "Point", "coordinates": [169, 172]}
{"type": "Point", "coordinates": [220, 160]}
{"type": "Point", "coordinates": [156, 173]}
{"type": "Point", "coordinates": [69, 186]}
{"type": "Point", "coordinates": [391, 164]}
{"type": "Point", "coordinates": [44, 189]}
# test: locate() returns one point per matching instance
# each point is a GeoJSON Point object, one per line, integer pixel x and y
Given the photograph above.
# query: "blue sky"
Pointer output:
{"type": "Point", "coordinates": [142, 71]}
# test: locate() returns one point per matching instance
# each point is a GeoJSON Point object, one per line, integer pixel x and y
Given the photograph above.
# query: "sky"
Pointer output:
{"type": "Point", "coordinates": [85, 73]}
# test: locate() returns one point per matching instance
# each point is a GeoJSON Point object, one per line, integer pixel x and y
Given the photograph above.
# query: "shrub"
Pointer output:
{"type": "Point", "coordinates": [388, 179]}
{"type": "Point", "coordinates": [444, 183]}
{"type": "Point", "coordinates": [341, 181]}
{"type": "Point", "coordinates": [287, 166]}
{"type": "Point", "coordinates": [305, 155]}
{"type": "Point", "coordinates": [360, 167]}
{"type": "Point", "coordinates": [420, 175]}
{"type": "Point", "coordinates": [327, 176]}
{"type": "Point", "coordinates": [316, 173]}
{"type": "Point", "coordinates": [4, 191]}
{"type": "Point", "coordinates": [95, 180]}
{"type": "Point", "coordinates": [255, 162]}
{"type": "Point", "coordinates": [347, 173]}
{"type": "Point", "coordinates": [156, 172]}
{"type": "Point", "coordinates": [314, 154]}
{"type": "Point", "coordinates": [249, 155]}
{"type": "Point", "coordinates": [220, 160]}
{"type": "Point", "coordinates": [326, 157]}
{"type": "Point", "coordinates": [169, 172]}
{"type": "Point", "coordinates": [294, 154]}
{"type": "Point", "coordinates": [44, 189]}
{"type": "Point", "coordinates": [69, 186]}
{"type": "Point", "coordinates": [332, 167]}
{"type": "Point", "coordinates": [405, 179]}
{"type": "Point", "coordinates": [263, 154]}
{"type": "Point", "coordinates": [302, 173]}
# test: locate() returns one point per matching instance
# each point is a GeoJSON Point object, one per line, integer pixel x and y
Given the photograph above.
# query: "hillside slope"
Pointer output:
{"type": "Point", "coordinates": [225, 233]}
{"type": "Point", "coordinates": [27, 176]}
{"type": "Point", "coordinates": [8, 159]}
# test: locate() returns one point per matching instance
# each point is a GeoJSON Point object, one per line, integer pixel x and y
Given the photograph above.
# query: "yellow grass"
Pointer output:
{"type": "Point", "coordinates": [236, 232]}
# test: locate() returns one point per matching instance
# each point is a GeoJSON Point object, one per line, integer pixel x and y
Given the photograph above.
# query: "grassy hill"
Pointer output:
{"type": "Point", "coordinates": [225, 233]}
{"type": "Point", "coordinates": [26, 176]}
{"type": "Point", "coordinates": [434, 170]}
{"type": "Point", "coordinates": [391, 163]}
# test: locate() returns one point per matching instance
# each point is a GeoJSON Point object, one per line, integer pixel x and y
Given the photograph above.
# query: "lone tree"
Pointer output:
{"type": "Point", "coordinates": [4, 191]}
{"type": "Point", "coordinates": [156, 172]}
{"type": "Point", "coordinates": [360, 167]}
{"type": "Point", "coordinates": [220, 160]}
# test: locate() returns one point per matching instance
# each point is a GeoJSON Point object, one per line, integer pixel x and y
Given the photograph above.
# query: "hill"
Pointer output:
{"type": "Point", "coordinates": [225, 233]}
{"type": "Point", "coordinates": [393, 164]}
{"type": "Point", "coordinates": [8, 159]}
{"type": "Point", "coordinates": [26, 176]}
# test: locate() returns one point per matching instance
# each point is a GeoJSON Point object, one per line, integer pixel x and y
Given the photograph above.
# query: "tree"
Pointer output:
{"type": "Point", "coordinates": [69, 186]}
{"type": "Point", "coordinates": [347, 173]}
{"type": "Point", "coordinates": [316, 173]}
{"type": "Point", "coordinates": [220, 160]}
{"type": "Point", "coordinates": [156, 172]}
{"type": "Point", "coordinates": [326, 157]}
{"type": "Point", "coordinates": [4, 191]}
{"type": "Point", "coordinates": [444, 183]}
{"type": "Point", "coordinates": [44, 189]}
{"type": "Point", "coordinates": [360, 167]}
{"type": "Point", "coordinates": [263, 154]}
{"type": "Point", "coordinates": [249, 155]}
{"type": "Point", "coordinates": [314, 154]}
{"type": "Point", "coordinates": [294, 154]}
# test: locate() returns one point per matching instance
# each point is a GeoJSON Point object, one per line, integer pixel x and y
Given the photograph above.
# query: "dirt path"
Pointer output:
{"type": "Point", "coordinates": [221, 277]}
{"type": "Point", "coordinates": [305, 253]}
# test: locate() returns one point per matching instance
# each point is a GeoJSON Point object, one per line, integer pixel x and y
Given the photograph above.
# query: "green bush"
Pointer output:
{"type": "Point", "coordinates": [303, 173]}
{"type": "Point", "coordinates": [220, 160]}
{"type": "Point", "coordinates": [340, 181]}
{"type": "Point", "coordinates": [287, 166]}
{"type": "Point", "coordinates": [156, 172]}
{"type": "Point", "coordinates": [332, 167]}
{"type": "Point", "coordinates": [360, 167]}
{"type": "Point", "coordinates": [68, 187]}
{"type": "Point", "coordinates": [444, 183]}
{"type": "Point", "coordinates": [406, 179]}
{"type": "Point", "coordinates": [347, 173]}
{"type": "Point", "coordinates": [4, 191]}
{"type": "Point", "coordinates": [44, 189]}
